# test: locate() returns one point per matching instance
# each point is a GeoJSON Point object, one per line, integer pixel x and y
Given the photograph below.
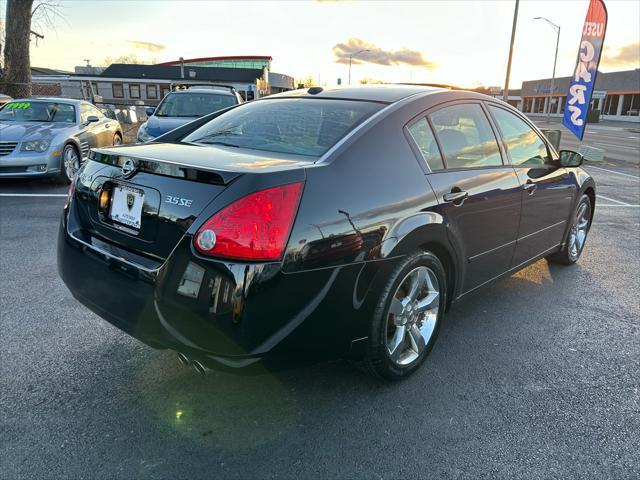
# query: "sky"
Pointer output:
{"type": "Point", "coordinates": [463, 43]}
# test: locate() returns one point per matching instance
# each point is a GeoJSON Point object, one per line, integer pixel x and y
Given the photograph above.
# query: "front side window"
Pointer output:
{"type": "Point", "coordinates": [426, 142]}
{"type": "Point", "coordinates": [193, 104]}
{"type": "Point", "coordinates": [465, 136]}
{"type": "Point", "coordinates": [524, 146]}
{"type": "Point", "coordinates": [84, 113]}
{"type": "Point", "coordinates": [38, 112]}
{"type": "Point", "coordinates": [86, 110]}
{"type": "Point", "coordinates": [288, 125]}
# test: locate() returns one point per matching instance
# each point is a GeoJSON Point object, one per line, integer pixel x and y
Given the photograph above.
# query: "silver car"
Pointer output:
{"type": "Point", "coordinates": [51, 136]}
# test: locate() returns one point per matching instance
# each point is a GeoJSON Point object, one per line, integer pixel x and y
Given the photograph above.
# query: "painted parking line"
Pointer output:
{"type": "Point", "coordinates": [614, 200]}
{"type": "Point", "coordinates": [33, 194]}
{"type": "Point", "coordinates": [618, 206]}
{"type": "Point", "coordinates": [613, 171]}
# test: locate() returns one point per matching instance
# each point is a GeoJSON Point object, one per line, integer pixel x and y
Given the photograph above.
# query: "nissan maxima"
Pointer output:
{"type": "Point", "coordinates": [331, 222]}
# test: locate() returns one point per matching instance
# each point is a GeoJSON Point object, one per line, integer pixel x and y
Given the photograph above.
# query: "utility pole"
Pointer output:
{"type": "Point", "coordinates": [505, 91]}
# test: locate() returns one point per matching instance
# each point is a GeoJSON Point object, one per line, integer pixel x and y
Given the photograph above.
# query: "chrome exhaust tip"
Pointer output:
{"type": "Point", "coordinates": [184, 360]}
{"type": "Point", "coordinates": [198, 367]}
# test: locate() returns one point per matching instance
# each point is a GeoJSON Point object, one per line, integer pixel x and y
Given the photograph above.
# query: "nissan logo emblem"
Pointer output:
{"type": "Point", "coordinates": [128, 167]}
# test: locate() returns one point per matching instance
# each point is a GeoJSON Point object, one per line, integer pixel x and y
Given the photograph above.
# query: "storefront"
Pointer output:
{"type": "Point", "coordinates": [616, 96]}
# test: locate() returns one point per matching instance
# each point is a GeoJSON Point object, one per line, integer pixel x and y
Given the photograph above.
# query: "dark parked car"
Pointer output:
{"type": "Point", "coordinates": [336, 221]}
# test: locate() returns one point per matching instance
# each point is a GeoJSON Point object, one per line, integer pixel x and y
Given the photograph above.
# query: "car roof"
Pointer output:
{"type": "Point", "coordinates": [213, 91]}
{"type": "Point", "coordinates": [386, 93]}
{"type": "Point", "coordinates": [52, 99]}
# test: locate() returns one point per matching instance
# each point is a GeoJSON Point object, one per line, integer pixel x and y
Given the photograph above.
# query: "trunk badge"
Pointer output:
{"type": "Point", "coordinates": [128, 167]}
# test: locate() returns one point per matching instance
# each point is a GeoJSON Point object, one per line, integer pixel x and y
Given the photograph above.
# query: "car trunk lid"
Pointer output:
{"type": "Point", "coordinates": [154, 192]}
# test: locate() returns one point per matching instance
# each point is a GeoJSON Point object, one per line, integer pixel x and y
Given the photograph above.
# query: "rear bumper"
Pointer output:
{"type": "Point", "coordinates": [241, 312]}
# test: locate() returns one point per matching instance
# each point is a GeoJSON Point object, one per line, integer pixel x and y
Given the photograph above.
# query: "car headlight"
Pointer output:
{"type": "Point", "coordinates": [34, 146]}
{"type": "Point", "coordinates": [143, 134]}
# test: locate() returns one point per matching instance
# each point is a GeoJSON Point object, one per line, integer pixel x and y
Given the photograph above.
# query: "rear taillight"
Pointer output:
{"type": "Point", "coordinates": [256, 227]}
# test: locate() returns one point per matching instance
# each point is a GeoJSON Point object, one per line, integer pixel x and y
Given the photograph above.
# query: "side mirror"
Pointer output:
{"type": "Point", "coordinates": [92, 119]}
{"type": "Point", "coordinates": [150, 111]}
{"type": "Point", "coordinates": [569, 158]}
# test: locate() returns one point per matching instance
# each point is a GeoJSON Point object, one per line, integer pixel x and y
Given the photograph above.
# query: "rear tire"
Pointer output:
{"type": "Point", "coordinates": [407, 318]}
{"type": "Point", "coordinates": [117, 139]}
{"type": "Point", "coordinates": [578, 231]}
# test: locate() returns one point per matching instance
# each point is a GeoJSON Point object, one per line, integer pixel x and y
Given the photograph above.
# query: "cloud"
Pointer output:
{"type": "Point", "coordinates": [624, 56]}
{"type": "Point", "coordinates": [148, 46]}
{"type": "Point", "coordinates": [378, 56]}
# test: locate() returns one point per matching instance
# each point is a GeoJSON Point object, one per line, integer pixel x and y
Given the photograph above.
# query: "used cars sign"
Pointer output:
{"type": "Point", "coordinates": [584, 76]}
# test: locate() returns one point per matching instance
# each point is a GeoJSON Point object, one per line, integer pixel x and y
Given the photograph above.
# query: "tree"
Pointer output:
{"type": "Point", "coordinates": [305, 82]}
{"type": "Point", "coordinates": [131, 58]}
{"type": "Point", "coordinates": [369, 80]}
{"type": "Point", "coordinates": [16, 75]}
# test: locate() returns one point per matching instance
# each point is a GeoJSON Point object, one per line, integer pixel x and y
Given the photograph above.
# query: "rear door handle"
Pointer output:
{"type": "Point", "coordinates": [530, 187]}
{"type": "Point", "coordinates": [457, 198]}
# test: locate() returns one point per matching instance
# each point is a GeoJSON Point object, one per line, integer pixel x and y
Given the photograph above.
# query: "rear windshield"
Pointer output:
{"type": "Point", "coordinates": [287, 125]}
{"type": "Point", "coordinates": [193, 104]}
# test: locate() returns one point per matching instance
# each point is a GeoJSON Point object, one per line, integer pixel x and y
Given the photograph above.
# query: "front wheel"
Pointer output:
{"type": "Point", "coordinates": [407, 318]}
{"type": "Point", "coordinates": [70, 163]}
{"type": "Point", "coordinates": [117, 140]}
{"type": "Point", "coordinates": [580, 225]}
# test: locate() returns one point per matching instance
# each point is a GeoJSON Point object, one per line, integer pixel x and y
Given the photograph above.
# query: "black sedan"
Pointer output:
{"type": "Point", "coordinates": [321, 221]}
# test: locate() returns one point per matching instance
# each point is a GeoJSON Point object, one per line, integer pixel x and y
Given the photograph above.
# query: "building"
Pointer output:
{"type": "Point", "coordinates": [616, 95]}
{"type": "Point", "coordinates": [129, 84]}
{"type": "Point", "coordinates": [514, 99]}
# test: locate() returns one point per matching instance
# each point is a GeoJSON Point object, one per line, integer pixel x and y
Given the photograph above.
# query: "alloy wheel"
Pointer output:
{"type": "Point", "coordinates": [412, 316]}
{"type": "Point", "coordinates": [579, 230]}
{"type": "Point", "coordinates": [71, 161]}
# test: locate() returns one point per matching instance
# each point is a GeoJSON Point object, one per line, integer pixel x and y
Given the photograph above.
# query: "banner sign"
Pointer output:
{"type": "Point", "coordinates": [584, 75]}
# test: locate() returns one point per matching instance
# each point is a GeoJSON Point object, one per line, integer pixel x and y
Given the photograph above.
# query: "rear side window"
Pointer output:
{"type": "Point", "coordinates": [466, 136]}
{"type": "Point", "coordinates": [524, 145]}
{"type": "Point", "coordinates": [285, 125]}
{"type": "Point", "coordinates": [426, 142]}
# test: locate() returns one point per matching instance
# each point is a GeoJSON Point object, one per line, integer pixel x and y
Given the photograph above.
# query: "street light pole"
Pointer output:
{"type": "Point", "coordinates": [555, 60]}
{"type": "Point", "coordinates": [505, 91]}
{"type": "Point", "coordinates": [350, 57]}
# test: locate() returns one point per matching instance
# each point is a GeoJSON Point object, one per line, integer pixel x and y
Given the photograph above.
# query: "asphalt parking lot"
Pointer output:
{"type": "Point", "coordinates": [537, 376]}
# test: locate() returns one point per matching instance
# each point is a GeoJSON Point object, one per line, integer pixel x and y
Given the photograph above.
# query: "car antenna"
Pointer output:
{"type": "Point", "coordinates": [314, 90]}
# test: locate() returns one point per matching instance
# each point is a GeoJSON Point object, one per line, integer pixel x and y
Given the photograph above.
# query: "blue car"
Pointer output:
{"type": "Point", "coordinates": [185, 105]}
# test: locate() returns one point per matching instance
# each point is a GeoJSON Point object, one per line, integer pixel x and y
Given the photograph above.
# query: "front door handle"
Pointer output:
{"type": "Point", "coordinates": [457, 198]}
{"type": "Point", "coordinates": [530, 187]}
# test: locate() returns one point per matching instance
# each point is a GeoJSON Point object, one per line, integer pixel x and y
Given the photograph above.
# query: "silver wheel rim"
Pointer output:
{"type": "Point", "coordinates": [117, 140]}
{"type": "Point", "coordinates": [412, 316]}
{"type": "Point", "coordinates": [71, 163]}
{"type": "Point", "coordinates": [579, 230]}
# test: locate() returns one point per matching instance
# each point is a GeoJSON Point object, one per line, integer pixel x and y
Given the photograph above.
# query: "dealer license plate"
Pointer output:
{"type": "Point", "coordinates": [126, 206]}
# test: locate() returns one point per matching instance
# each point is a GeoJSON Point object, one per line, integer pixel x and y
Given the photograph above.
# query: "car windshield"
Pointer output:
{"type": "Point", "coordinates": [298, 126]}
{"type": "Point", "coordinates": [29, 111]}
{"type": "Point", "coordinates": [193, 104]}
